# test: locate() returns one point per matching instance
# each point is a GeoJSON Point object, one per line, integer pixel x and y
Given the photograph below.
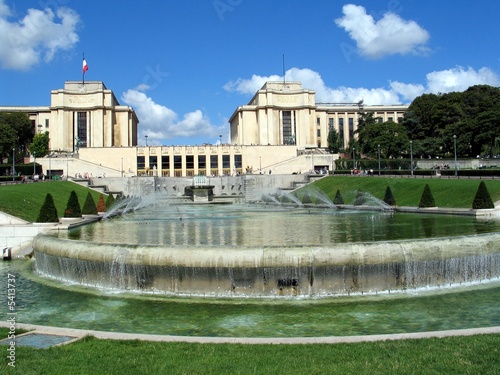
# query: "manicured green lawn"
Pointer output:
{"type": "Point", "coordinates": [453, 355]}
{"type": "Point", "coordinates": [25, 200]}
{"type": "Point", "coordinates": [448, 193]}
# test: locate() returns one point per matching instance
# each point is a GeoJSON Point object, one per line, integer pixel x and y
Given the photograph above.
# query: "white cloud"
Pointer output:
{"type": "Point", "coordinates": [37, 36]}
{"type": "Point", "coordinates": [456, 79]}
{"type": "Point", "coordinates": [312, 80]}
{"type": "Point", "coordinates": [161, 123]}
{"type": "Point", "coordinates": [460, 79]}
{"type": "Point", "coordinates": [388, 36]}
{"type": "Point", "coordinates": [407, 91]}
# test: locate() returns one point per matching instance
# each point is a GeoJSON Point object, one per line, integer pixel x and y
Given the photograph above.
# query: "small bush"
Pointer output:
{"type": "Point", "coordinates": [110, 200]}
{"type": "Point", "coordinates": [482, 199]}
{"type": "Point", "coordinates": [427, 200]}
{"type": "Point", "coordinates": [101, 206]}
{"type": "Point", "coordinates": [48, 212]}
{"type": "Point", "coordinates": [360, 198]}
{"type": "Point", "coordinates": [307, 198]}
{"type": "Point", "coordinates": [73, 207]}
{"type": "Point", "coordinates": [338, 198]}
{"type": "Point", "coordinates": [89, 207]}
{"type": "Point", "coordinates": [389, 197]}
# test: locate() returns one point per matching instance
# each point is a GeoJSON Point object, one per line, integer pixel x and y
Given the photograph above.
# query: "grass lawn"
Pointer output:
{"type": "Point", "coordinates": [25, 200]}
{"type": "Point", "coordinates": [453, 355]}
{"type": "Point", "coordinates": [448, 193]}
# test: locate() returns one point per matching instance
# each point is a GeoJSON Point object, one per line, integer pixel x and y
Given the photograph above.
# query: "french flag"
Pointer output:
{"type": "Point", "coordinates": [85, 66]}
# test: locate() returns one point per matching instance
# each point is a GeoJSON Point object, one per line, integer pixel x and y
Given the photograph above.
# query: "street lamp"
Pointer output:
{"type": "Point", "coordinates": [34, 159]}
{"type": "Point", "coordinates": [411, 157]}
{"type": "Point", "coordinates": [455, 148]}
{"type": "Point", "coordinates": [379, 160]}
{"type": "Point", "coordinates": [13, 163]}
{"type": "Point", "coordinates": [353, 158]}
{"type": "Point", "coordinates": [220, 139]}
{"type": "Point", "coordinates": [146, 140]}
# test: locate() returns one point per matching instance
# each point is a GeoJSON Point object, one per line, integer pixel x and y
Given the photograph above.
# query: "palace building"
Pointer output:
{"type": "Point", "coordinates": [281, 130]}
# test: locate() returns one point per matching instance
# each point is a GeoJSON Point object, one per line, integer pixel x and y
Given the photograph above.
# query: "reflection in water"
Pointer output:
{"type": "Point", "coordinates": [272, 226]}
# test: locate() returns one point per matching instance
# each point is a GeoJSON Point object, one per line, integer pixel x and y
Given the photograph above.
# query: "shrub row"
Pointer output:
{"type": "Point", "coordinates": [48, 211]}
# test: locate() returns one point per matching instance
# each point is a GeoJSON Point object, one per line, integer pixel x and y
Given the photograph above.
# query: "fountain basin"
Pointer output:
{"type": "Point", "coordinates": [271, 271]}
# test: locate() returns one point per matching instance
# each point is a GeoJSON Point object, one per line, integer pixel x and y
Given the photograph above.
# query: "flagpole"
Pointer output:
{"type": "Point", "coordinates": [83, 71]}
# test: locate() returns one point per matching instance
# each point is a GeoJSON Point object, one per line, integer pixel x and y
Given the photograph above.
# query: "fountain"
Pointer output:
{"type": "Point", "coordinates": [200, 191]}
{"type": "Point", "coordinates": [271, 252]}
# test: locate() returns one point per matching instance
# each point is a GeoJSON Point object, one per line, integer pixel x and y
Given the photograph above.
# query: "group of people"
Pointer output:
{"type": "Point", "coordinates": [357, 172]}
{"type": "Point", "coordinates": [36, 177]}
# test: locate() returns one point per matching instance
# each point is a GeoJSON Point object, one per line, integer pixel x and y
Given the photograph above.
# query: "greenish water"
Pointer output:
{"type": "Point", "coordinates": [50, 303]}
{"type": "Point", "coordinates": [252, 225]}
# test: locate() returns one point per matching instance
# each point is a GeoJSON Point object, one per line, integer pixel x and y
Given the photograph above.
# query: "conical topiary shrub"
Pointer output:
{"type": "Point", "coordinates": [389, 197]}
{"type": "Point", "coordinates": [482, 199]}
{"type": "Point", "coordinates": [110, 200]}
{"type": "Point", "coordinates": [360, 199]}
{"type": "Point", "coordinates": [307, 197]}
{"type": "Point", "coordinates": [48, 212]}
{"type": "Point", "coordinates": [73, 207]}
{"type": "Point", "coordinates": [89, 207]}
{"type": "Point", "coordinates": [338, 198]}
{"type": "Point", "coordinates": [101, 205]}
{"type": "Point", "coordinates": [427, 200]}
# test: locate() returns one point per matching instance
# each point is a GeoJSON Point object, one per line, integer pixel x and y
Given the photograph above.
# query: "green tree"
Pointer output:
{"type": "Point", "coordinates": [22, 127]}
{"type": "Point", "coordinates": [482, 199]}
{"type": "Point", "coordinates": [389, 197]}
{"type": "Point", "coordinates": [110, 200]}
{"type": "Point", "coordinates": [40, 144]}
{"type": "Point", "coordinates": [89, 207]}
{"type": "Point", "coordinates": [360, 198]}
{"type": "Point", "coordinates": [391, 137]}
{"type": "Point", "coordinates": [427, 200]}
{"type": "Point", "coordinates": [333, 141]}
{"type": "Point", "coordinates": [8, 140]}
{"type": "Point", "coordinates": [73, 207]}
{"type": "Point", "coordinates": [101, 205]}
{"type": "Point", "coordinates": [338, 198]}
{"type": "Point", "coordinates": [48, 211]}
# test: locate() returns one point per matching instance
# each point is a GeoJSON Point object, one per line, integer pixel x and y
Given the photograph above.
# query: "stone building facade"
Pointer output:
{"type": "Point", "coordinates": [282, 130]}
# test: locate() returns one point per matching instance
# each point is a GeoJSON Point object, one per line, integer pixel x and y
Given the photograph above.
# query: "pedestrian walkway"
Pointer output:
{"type": "Point", "coordinates": [45, 334]}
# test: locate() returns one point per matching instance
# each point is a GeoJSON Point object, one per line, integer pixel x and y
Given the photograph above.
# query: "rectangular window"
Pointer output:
{"type": "Point", "coordinates": [189, 161]}
{"type": "Point", "coordinates": [318, 121]}
{"type": "Point", "coordinates": [288, 137]}
{"type": "Point", "coordinates": [141, 162]}
{"type": "Point", "coordinates": [202, 162]}
{"type": "Point", "coordinates": [46, 122]}
{"type": "Point", "coordinates": [331, 122]}
{"type": "Point", "coordinates": [177, 162]}
{"type": "Point", "coordinates": [318, 133]}
{"type": "Point", "coordinates": [341, 133]}
{"type": "Point", "coordinates": [214, 162]}
{"type": "Point", "coordinates": [165, 162]}
{"type": "Point", "coordinates": [391, 119]}
{"type": "Point", "coordinates": [351, 128]}
{"type": "Point", "coordinates": [226, 163]}
{"type": "Point", "coordinates": [238, 161]}
{"type": "Point", "coordinates": [81, 128]}
{"type": "Point", "coordinates": [153, 162]}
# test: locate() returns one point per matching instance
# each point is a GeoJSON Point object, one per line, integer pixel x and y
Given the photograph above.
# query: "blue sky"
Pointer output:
{"type": "Point", "coordinates": [185, 66]}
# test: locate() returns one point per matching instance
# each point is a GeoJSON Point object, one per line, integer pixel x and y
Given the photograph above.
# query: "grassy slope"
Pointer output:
{"type": "Point", "coordinates": [448, 193]}
{"type": "Point", "coordinates": [25, 200]}
{"type": "Point", "coordinates": [452, 355]}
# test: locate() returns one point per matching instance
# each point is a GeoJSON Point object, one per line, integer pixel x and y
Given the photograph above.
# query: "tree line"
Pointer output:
{"type": "Point", "coordinates": [433, 126]}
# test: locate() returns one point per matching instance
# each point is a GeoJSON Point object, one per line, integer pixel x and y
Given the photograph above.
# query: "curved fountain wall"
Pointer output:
{"type": "Point", "coordinates": [271, 271]}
